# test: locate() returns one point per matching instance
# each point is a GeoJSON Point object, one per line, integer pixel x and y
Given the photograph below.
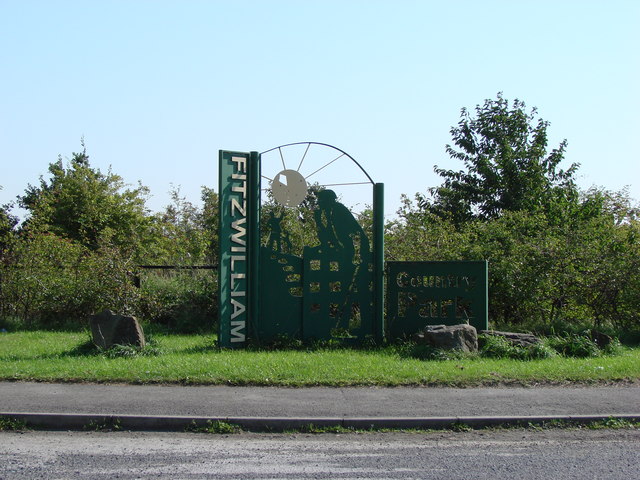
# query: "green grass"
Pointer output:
{"type": "Point", "coordinates": [192, 359]}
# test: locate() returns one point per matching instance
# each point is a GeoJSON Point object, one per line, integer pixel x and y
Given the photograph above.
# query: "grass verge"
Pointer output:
{"type": "Point", "coordinates": [192, 359]}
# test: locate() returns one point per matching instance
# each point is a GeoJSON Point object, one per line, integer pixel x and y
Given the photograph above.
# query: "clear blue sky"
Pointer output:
{"type": "Point", "coordinates": [158, 87]}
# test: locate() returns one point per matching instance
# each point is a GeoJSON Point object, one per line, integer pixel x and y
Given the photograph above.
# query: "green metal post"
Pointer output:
{"type": "Point", "coordinates": [378, 260]}
{"type": "Point", "coordinates": [253, 211]}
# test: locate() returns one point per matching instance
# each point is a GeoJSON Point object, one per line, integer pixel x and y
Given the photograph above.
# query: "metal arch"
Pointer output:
{"type": "Point", "coordinates": [323, 145]}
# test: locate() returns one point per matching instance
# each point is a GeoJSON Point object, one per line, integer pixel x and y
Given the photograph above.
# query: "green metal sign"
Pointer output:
{"type": "Point", "coordinates": [239, 246]}
{"type": "Point", "coordinates": [435, 293]}
{"type": "Point", "coordinates": [328, 291]}
{"type": "Point", "coordinates": [330, 287]}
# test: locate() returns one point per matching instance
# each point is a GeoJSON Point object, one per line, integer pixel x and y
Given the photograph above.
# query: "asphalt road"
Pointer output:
{"type": "Point", "coordinates": [500, 454]}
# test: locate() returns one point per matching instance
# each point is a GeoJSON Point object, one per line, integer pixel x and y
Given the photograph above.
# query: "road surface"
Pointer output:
{"type": "Point", "coordinates": [499, 454]}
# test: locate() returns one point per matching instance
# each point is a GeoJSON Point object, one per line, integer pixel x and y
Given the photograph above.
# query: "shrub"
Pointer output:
{"type": "Point", "coordinates": [574, 345]}
{"type": "Point", "coordinates": [56, 282]}
{"type": "Point", "coordinates": [410, 349]}
{"type": "Point", "coordinates": [499, 347]}
{"type": "Point", "coordinates": [541, 350]}
{"type": "Point", "coordinates": [613, 348]}
{"type": "Point", "coordinates": [183, 301]}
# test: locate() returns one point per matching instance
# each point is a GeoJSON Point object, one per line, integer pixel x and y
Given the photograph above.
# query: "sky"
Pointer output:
{"type": "Point", "coordinates": [156, 88]}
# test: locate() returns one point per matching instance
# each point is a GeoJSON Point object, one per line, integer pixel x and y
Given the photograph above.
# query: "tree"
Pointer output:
{"type": "Point", "coordinates": [557, 256]}
{"type": "Point", "coordinates": [81, 203]}
{"type": "Point", "coordinates": [210, 215]}
{"type": "Point", "coordinates": [8, 224]}
{"type": "Point", "coordinates": [504, 151]}
{"type": "Point", "coordinates": [180, 234]}
{"type": "Point", "coordinates": [8, 236]}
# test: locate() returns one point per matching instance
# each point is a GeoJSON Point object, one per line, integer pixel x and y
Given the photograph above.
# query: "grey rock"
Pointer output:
{"type": "Point", "coordinates": [108, 329]}
{"type": "Point", "coordinates": [521, 339]}
{"type": "Point", "coordinates": [601, 339]}
{"type": "Point", "coordinates": [450, 337]}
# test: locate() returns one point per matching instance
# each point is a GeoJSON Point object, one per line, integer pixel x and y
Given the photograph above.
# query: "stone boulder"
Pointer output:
{"type": "Point", "coordinates": [450, 337]}
{"type": "Point", "coordinates": [108, 329]}
{"type": "Point", "coordinates": [520, 339]}
{"type": "Point", "coordinates": [601, 339]}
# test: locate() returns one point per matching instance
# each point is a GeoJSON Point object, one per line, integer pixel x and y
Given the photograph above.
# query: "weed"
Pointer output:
{"type": "Point", "coordinates": [215, 427]}
{"type": "Point", "coordinates": [109, 425]}
{"type": "Point", "coordinates": [499, 347]}
{"type": "Point", "coordinates": [533, 426]}
{"type": "Point", "coordinates": [494, 346]}
{"type": "Point", "coordinates": [12, 424]}
{"type": "Point", "coordinates": [574, 345]}
{"type": "Point", "coordinates": [613, 348]}
{"type": "Point", "coordinates": [557, 423]}
{"type": "Point", "coordinates": [540, 350]}
{"type": "Point", "coordinates": [460, 427]}
{"type": "Point", "coordinates": [311, 428]}
{"type": "Point", "coordinates": [613, 423]}
{"type": "Point", "coordinates": [129, 351]}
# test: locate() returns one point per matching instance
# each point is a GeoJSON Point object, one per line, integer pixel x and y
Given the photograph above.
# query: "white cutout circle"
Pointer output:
{"type": "Point", "coordinates": [289, 188]}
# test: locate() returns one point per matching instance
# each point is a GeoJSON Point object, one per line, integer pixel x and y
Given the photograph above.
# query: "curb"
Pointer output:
{"type": "Point", "coordinates": [71, 421]}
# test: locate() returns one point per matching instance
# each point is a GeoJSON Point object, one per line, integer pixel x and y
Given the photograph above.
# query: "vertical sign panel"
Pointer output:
{"type": "Point", "coordinates": [234, 271]}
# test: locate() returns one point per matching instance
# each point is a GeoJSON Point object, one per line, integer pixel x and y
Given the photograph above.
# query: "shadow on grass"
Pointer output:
{"type": "Point", "coordinates": [88, 349]}
{"type": "Point", "coordinates": [204, 348]}
{"type": "Point", "coordinates": [85, 349]}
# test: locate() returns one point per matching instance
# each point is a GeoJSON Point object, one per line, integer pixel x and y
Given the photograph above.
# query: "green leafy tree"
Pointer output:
{"type": "Point", "coordinates": [421, 235]}
{"type": "Point", "coordinates": [8, 223]}
{"type": "Point", "coordinates": [557, 256]}
{"type": "Point", "coordinates": [210, 216]}
{"type": "Point", "coordinates": [507, 166]}
{"type": "Point", "coordinates": [83, 204]}
{"type": "Point", "coordinates": [184, 233]}
{"type": "Point", "coordinates": [179, 236]}
{"type": "Point", "coordinates": [604, 242]}
{"type": "Point", "coordinates": [8, 239]}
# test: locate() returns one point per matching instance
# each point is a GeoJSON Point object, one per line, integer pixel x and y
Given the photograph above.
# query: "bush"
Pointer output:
{"type": "Point", "coordinates": [499, 347]}
{"type": "Point", "coordinates": [183, 301]}
{"type": "Point", "coordinates": [613, 348]}
{"type": "Point", "coordinates": [574, 346]}
{"type": "Point", "coordinates": [541, 350]}
{"type": "Point", "coordinates": [55, 282]}
{"type": "Point", "coordinates": [577, 266]}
